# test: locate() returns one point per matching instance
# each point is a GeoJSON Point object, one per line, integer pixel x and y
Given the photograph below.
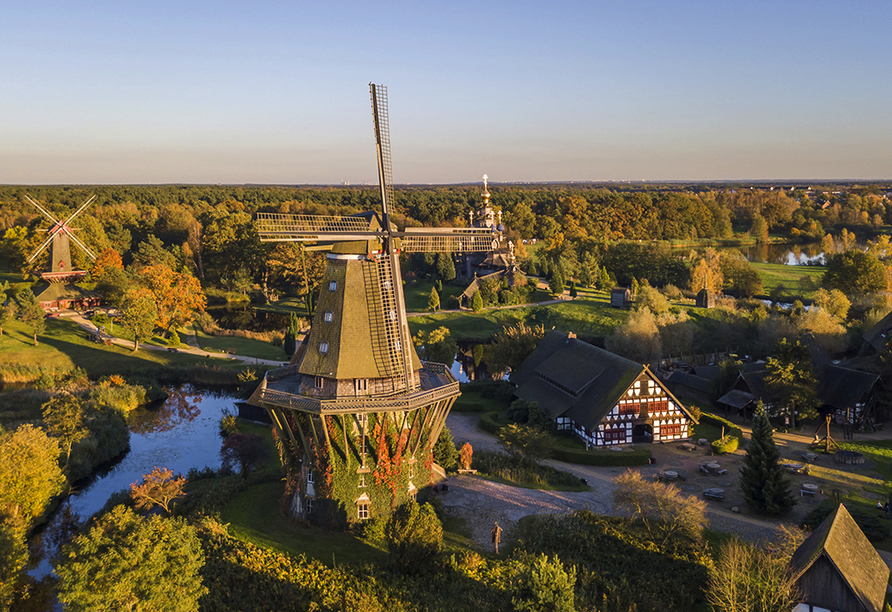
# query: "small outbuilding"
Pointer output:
{"type": "Point", "coordinates": [837, 568]}
{"type": "Point", "coordinates": [705, 299]}
{"type": "Point", "coordinates": [620, 297]}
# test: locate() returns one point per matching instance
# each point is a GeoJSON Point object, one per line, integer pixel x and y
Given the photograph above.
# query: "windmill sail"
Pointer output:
{"type": "Point", "coordinates": [61, 237]}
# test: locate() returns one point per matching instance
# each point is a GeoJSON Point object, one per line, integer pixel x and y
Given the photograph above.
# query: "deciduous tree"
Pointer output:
{"type": "Point", "coordinates": [855, 273]}
{"type": "Point", "coordinates": [177, 295]}
{"type": "Point", "coordinates": [512, 345]}
{"type": "Point", "coordinates": [437, 346]}
{"type": "Point", "coordinates": [26, 491]}
{"type": "Point", "coordinates": [127, 562]}
{"type": "Point", "coordinates": [158, 488]}
{"type": "Point", "coordinates": [30, 313]}
{"type": "Point", "coordinates": [525, 442]}
{"type": "Point", "coordinates": [672, 520]}
{"type": "Point", "coordinates": [790, 377]}
{"type": "Point", "coordinates": [414, 536]}
{"type": "Point", "coordinates": [139, 315]}
{"type": "Point", "coordinates": [247, 451]}
{"type": "Point", "coordinates": [64, 419]}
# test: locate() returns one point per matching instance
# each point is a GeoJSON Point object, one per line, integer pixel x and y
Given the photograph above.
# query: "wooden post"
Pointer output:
{"type": "Point", "coordinates": [496, 536]}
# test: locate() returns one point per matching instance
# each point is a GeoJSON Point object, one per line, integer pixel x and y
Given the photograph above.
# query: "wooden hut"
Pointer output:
{"type": "Point", "coordinates": [620, 297]}
{"type": "Point", "coordinates": [836, 568]}
{"type": "Point", "coordinates": [705, 299]}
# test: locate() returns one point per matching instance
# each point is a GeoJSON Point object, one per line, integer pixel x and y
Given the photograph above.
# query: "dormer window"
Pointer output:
{"type": "Point", "coordinates": [323, 347]}
{"type": "Point", "coordinates": [333, 286]}
{"type": "Point", "coordinates": [328, 316]}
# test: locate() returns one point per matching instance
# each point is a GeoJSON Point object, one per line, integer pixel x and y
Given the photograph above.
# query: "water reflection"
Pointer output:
{"type": "Point", "coordinates": [179, 434]}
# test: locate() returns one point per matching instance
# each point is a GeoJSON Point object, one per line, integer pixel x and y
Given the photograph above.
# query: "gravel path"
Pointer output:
{"type": "Point", "coordinates": [481, 503]}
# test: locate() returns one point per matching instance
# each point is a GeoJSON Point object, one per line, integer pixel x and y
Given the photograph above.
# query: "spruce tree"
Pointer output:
{"type": "Point", "coordinates": [762, 480]}
{"type": "Point", "coordinates": [433, 302]}
{"type": "Point", "coordinates": [477, 302]}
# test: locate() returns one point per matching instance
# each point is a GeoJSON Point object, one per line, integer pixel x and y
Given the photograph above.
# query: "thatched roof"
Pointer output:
{"type": "Point", "coordinates": [571, 378]}
{"type": "Point", "coordinates": [847, 548]}
{"type": "Point", "coordinates": [691, 381]}
{"type": "Point", "coordinates": [353, 336]}
{"type": "Point", "coordinates": [842, 388]}
{"type": "Point", "coordinates": [53, 292]}
{"type": "Point", "coordinates": [876, 335]}
{"type": "Point", "coordinates": [736, 398]}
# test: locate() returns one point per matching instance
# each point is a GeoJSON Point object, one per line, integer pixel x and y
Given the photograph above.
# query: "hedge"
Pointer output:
{"type": "Point", "coordinates": [488, 422]}
{"type": "Point", "coordinates": [460, 406]}
{"type": "Point", "coordinates": [603, 458]}
{"type": "Point", "coordinates": [726, 445]}
{"type": "Point", "coordinates": [730, 428]}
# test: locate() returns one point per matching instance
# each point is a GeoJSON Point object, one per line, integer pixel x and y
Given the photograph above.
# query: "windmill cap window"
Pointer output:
{"type": "Point", "coordinates": [329, 316]}
{"type": "Point", "coordinates": [323, 347]}
{"type": "Point", "coordinates": [333, 286]}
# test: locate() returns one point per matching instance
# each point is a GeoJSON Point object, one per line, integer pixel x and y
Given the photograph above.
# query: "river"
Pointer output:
{"type": "Point", "coordinates": [179, 433]}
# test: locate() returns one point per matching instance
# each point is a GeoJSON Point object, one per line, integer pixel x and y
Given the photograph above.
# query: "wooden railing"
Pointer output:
{"type": "Point", "coordinates": [411, 401]}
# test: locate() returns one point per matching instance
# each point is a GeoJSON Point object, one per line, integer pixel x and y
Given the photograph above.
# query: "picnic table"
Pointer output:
{"type": "Point", "coordinates": [714, 493]}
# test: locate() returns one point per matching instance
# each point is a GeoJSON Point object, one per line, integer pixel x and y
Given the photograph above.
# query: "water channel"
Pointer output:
{"type": "Point", "coordinates": [179, 433]}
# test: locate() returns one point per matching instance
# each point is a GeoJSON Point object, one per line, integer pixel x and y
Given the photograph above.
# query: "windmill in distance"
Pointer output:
{"type": "Point", "coordinates": [360, 410]}
{"type": "Point", "coordinates": [59, 240]}
{"type": "Point", "coordinates": [61, 292]}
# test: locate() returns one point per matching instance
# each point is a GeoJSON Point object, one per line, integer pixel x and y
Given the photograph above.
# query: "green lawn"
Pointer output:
{"type": "Point", "coordinates": [799, 281]}
{"type": "Point", "coordinates": [472, 396]}
{"type": "Point", "coordinates": [65, 346]}
{"type": "Point", "coordinates": [418, 292]}
{"type": "Point", "coordinates": [590, 315]}
{"type": "Point", "coordinates": [239, 346]}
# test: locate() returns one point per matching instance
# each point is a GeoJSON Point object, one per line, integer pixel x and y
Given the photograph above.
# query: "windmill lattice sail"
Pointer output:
{"type": "Point", "coordinates": [356, 375]}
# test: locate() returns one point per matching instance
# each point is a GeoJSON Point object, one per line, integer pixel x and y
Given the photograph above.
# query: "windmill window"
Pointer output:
{"type": "Point", "coordinates": [309, 505]}
{"type": "Point", "coordinates": [362, 481]}
{"type": "Point", "coordinates": [323, 347]}
{"type": "Point", "coordinates": [361, 384]}
{"type": "Point", "coordinates": [329, 316]}
{"type": "Point", "coordinates": [333, 286]}
{"type": "Point", "coordinates": [362, 511]}
{"type": "Point", "coordinates": [318, 382]}
{"type": "Point", "coordinates": [310, 478]}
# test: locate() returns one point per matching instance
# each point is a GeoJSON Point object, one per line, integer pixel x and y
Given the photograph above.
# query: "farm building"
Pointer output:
{"type": "Point", "coordinates": [603, 398]}
{"type": "Point", "coordinates": [836, 568]}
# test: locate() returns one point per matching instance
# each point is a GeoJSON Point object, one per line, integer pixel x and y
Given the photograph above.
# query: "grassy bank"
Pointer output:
{"type": "Point", "coordinates": [799, 281]}
{"type": "Point", "coordinates": [65, 346]}
{"type": "Point", "coordinates": [589, 315]}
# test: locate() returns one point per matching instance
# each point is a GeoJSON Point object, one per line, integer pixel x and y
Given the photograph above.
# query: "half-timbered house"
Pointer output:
{"type": "Point", "coordinates": [603, 398]}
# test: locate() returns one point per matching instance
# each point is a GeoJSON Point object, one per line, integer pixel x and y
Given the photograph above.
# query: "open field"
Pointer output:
{"type": "Point", "coordinates": [238, 346]}
{"type": "Point", "coordinates": [799, 281]}
{"type": "Point", "coordinates": [65, 346]}
{"type": "Point", "coordinates": [589, 315]}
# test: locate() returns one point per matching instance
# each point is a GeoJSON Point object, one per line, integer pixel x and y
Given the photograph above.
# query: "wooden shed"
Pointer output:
{"type": "Point", "coordinates": [838, 569]}
{"type": "Point", "coordinates": [620, 297]}
{"type": "Point", "coordinates": [705, 299]}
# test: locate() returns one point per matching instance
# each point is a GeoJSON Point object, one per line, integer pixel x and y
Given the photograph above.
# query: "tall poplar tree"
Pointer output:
{"type": "Point", "coordinates": [765, 487]}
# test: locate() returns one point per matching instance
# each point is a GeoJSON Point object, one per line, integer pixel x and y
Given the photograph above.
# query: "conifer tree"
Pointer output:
{"type": "Point", "coordinates": [762, 480]}
{"type": "Point", "coordinates": [433, 302]}
{"type": "Point", "coordinates": [477, 302]}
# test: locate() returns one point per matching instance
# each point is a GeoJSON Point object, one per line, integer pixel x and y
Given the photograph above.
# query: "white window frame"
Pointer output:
{"type": "Point", "coordinates": [328, 317]}
{"type": "Point", "coordinates": [363, 511]}
{"type": "Point", "coordinates": [323, 347]}
{"type": "Point", "coordinates": [333, 286]}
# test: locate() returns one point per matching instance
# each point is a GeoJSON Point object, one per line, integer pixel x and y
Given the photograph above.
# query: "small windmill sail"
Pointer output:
{"type": "Point", "coordinates": [61, 237]}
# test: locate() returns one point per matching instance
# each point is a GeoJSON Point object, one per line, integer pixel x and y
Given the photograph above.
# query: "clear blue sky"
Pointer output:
{"type": "Point", "coordinates": [277, 92]}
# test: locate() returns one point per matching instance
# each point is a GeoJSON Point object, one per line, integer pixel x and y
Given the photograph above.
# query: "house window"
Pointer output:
{"type": "Point", "coordinates": [333, 286]}
{"type": "Point", "coordinates": [310, 477]}
{"type": "Point", "coordinates": [323, 347]}
{"type": "Point", "coordinates": [329, 316]}
{"type": "Point", "coordinates": [362, 511]}
{"type": "Point", "coordinates": [615, 435]}
{"type": "Point", "coordinates": [318, 382]}
{"type": "Point", "coordinates": [308, 504]}
{"type": "Point", "coordinates": [362, 481]}
{"type": "Point", "coordinates": [670, 430]}
{"type": "Point", "coordinates": [630, 408]}
{"type": "Point", "coordinates": [360, 384]}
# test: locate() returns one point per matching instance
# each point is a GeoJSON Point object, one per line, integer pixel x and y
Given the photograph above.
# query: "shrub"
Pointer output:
{"type": "Point", "coordinates": [730, 428]}
{"type": "Point", "coordinates": [726, 445]}
{"type": "Point", "coordinates": [544, 584]}
{"type": "Point", "coordinates": [414, 537]}
{"type": "Point", "coordinates": [488, 422]}
{"type": "Point", "coordinates": [505, 467]}
{"type": "Point", "coordinates": [444, 451]}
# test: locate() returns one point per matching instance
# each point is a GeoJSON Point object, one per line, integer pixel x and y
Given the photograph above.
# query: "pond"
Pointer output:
{"type": "Point", "coordinates": [179, 433]}
{"type": "Point", "coordinates": [244, 316]}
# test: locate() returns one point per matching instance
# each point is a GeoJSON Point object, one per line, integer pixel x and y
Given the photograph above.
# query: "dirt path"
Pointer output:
{"type": "Point", "coordinates": [482, 503]}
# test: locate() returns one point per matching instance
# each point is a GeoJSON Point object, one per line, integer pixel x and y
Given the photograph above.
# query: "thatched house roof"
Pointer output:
{"type": "Point", "coordinates": [876, 335]}
{"type": "Point", "coordinates": [842, 388]}
{"type": "Point", "coordinates": [571, 378]}
{"type": "Point", "coordinates": [841, 541]}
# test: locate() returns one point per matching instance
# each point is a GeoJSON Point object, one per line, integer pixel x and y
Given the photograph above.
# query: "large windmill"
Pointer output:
{"type": "Point", "coordinates": [358, 408]}
{"type": "Point", "coordinates": [59, 240]}
{"type": "Point", "coordinates": [62, 292]}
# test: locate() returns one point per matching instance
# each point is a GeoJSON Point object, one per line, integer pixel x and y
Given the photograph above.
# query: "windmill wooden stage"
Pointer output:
{"type": "Point", "coordinates": [356, 408]}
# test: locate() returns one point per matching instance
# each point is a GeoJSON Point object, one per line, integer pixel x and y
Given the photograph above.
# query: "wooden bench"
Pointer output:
{"type": "Point", "coordinates": [809, 492]}
{"type": "Point", "coordinates": [714, 494]}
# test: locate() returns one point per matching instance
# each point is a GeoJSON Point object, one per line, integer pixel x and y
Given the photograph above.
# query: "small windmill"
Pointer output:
{"type": "Point", "coordinates": [357, 372]}
{"type": "Point", "coordinates": [61, 237]}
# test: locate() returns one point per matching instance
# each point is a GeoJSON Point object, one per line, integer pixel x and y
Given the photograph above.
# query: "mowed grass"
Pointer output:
{"type": "Point", "coordinates": [589, 315]}
{"type": "Point", "coordinates": [65, 346]}
{"type": "Point", "coordinates": [418, 292]}
{"type": "Point", "coordinates": [239, 346]}
{"type": "Point", "coordinates": [799, 281]}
